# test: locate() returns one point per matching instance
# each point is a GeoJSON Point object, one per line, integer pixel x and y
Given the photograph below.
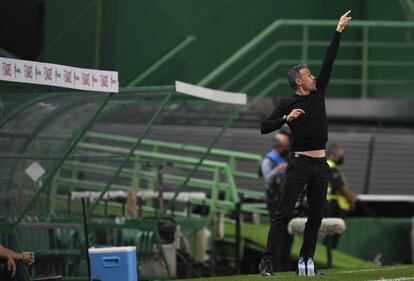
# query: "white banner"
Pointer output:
{"type": "Point", "coordinates": [210, 94]}
{"type": "Point", "coordinates": [49, 74]}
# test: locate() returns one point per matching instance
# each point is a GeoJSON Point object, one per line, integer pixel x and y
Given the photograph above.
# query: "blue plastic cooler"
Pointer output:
{"type": "Point", "coordinates": [113, 264]}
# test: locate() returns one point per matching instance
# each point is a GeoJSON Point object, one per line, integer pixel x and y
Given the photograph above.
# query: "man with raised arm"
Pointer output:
{"type": "Point", "coordinates": [305, 114]}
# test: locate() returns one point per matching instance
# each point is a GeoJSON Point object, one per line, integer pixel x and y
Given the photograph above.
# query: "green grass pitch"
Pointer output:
{"type": "Point", "coordinates": [385, 273]}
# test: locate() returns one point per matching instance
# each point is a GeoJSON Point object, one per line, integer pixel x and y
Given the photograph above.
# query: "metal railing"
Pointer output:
{"type": "Point", "coordinates": [220, 179]}
{"type": "Point", "coordinates": [362, 61]}
{"type": "Point", "coordinates": [231, 156]}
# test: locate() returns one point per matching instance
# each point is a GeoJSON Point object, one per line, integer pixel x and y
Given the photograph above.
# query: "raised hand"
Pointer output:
{"type": "Point", "coordinates": [343, 21]}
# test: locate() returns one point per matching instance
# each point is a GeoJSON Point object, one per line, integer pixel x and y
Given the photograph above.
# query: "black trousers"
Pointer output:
{"type": "Point", "coordinates": [301, 170]}
{"type": "Point", "coordinates": [281, 255]}
{"type": "Point", "coordinates": [20, 272]}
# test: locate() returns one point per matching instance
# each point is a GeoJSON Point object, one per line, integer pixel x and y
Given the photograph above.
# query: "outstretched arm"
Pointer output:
{"type": "Point", "coordinates": [278, 118]}
{"type": "Point", "coordinates": [326, 69]}
{"type": "Point", "coordinates": [26, 257]}
{"type": "Point", "coordinates": [275, 120]}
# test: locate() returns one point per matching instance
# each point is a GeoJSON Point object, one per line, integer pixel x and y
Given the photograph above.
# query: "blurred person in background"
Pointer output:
{"type": "Point", "coordinates": [340, 198]}
{"type": "Point", "coordinates": [273, 170]}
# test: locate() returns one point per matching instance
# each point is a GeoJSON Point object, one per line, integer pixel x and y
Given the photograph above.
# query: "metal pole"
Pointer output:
{"type": "Point", "coordinates": [106, 208]}
{"type": "Point", "coordinates": [238, 235]}
{"type": "Point", "coordinates": [69, 202]}
{"type": "Point", "coordinates": [160, 189]}
{"type": "Point", "coordinates": [329, 250]}
{"type": "Point", "coordinates": [364, 71]}
{"type": "Point", "coordinates": [369, 164]}
{"type": "Point", "coordinates": [86, 233]}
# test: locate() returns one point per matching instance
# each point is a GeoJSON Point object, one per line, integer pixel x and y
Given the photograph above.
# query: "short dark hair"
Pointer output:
{"type": "Point", "coordinates": [293, 74]}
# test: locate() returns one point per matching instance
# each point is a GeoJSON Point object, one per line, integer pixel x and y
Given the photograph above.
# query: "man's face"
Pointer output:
{"type": "Point", "coordinates": [307, 81]}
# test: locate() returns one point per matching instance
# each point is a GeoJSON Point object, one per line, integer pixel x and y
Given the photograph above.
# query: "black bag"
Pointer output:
{"type": "Point", "coordinates": [274, 191]}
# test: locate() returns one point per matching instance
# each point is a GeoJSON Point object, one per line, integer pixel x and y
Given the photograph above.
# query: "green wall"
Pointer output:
{"type": "Point", "coordinates": [137, 33]}
{"type": "Point", "coordinates": [130, 35]}
{"type": "Point", "coordinates": [390, 237]}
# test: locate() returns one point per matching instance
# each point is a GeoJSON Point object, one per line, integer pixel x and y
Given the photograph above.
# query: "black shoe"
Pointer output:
{"type": "Point", "coordinates": [266, 268]}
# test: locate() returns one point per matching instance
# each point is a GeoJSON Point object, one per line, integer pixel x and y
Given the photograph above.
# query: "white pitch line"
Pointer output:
{"type": "Point", "coordinates": [395, 279]}
{"type": "Point", "coordinates": [369, 270]}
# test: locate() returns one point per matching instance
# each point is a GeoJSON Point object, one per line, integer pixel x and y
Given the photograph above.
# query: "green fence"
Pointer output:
{"type": "Point", "coordinates": [218, 182]}
{"type": "Point", "coordinates": [50, 149]}
{"type": "Point", "coordinates": [374, 57]}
